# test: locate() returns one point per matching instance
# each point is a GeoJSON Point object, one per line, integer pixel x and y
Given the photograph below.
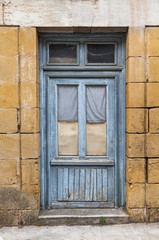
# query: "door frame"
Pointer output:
{"type": "Point", "coordinates": [116, 71]}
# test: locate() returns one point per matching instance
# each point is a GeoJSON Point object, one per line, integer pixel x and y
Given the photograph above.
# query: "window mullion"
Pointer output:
{"type": "Point", "coordinates": [82, 121]}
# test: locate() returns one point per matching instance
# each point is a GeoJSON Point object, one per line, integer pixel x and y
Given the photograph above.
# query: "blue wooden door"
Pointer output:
{"type": "Point", "coordinates": [82, 121]}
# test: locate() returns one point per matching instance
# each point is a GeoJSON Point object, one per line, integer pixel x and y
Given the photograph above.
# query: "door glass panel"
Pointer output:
{"type": "Point", "coordinates": [100, 53]}
{"type": "Point", "coordinates": [67, 120]}
{"type": "Point", "coordinates": [96, 120]}
{"type": "Point", "coordinates": [62, 53]}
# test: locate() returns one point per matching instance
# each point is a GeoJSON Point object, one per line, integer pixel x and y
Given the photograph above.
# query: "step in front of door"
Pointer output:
{"type": "Point", "coordinates": [55, 217]}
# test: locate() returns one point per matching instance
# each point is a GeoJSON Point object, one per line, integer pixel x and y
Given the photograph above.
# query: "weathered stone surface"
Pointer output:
{"type": "Point", "coordinates": [135, 170]}
{"type": "Point", "coordinates": [153, 171]}
{"type": "Point", "coordinates": [135, 42]}
{"type": "Point", "coordinates": [152, 195]}
{"type": "Point", "coordinates": [28, 41]}
{"type": "Point", "coordinates": [154, 120]}
{"type": "Point", "coordinates": [135, 145]}
{"type": "Point", "coordinates": [8, 172]}
{"type": "Point", "coordinates": [135, 69]}
{"type": "Point", "coordinates": [135, 94]}
{"type": "Point", "coordinates": [31, 194]}
{"type": "Point", "coordinates": [29, 95]}
{"type": "Point", "coordinates": [28, 69]}
{"type": "Point", "coordinates": [29, 217]}
{"type": "Point", "coordinates": [153, 70]}
{"type": "Point", "coordinates": [136, 215]}
{"type": "Point", "coordinates": [152, 149]}
{"type": "Point", "coordinates": [152, 94]}
{"type": "Point", "coordinates": [9, 95]}
{"type": "Point", "coordinates": [30, 171]}
{"type": "Point", "coordinates": [9, 145]}
{"type": "Point", "coordinates": [8, 41]}
{"type": "Point", "coordinates": [30, 146]}
{"type": "Point", "coordinates": [30, 120]}
{"type": "Point", "coordinates": [136, 120]}
{"type": "Point", "coordinates": [10, 197]}
{"type": "Point", "coordinates": [152, 41]}
{"type": "Point", "coordinates": [9, 217]}
{"type": "Point", "coordinates": [135, 195]}
{"type": "Point", "coordinates": [153, 214]}
{"type": "Point", "coordinates": [8, 120]}
{"type": "Point", "coordinates": [8, 74]}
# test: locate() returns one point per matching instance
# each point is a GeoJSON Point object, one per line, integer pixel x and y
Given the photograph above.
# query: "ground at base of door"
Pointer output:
{"type": "Point", "coordinates": [139, 231]}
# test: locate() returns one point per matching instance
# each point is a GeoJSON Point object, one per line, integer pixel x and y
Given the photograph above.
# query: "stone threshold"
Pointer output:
{"type": "Point", "coordinates": [55, 217]}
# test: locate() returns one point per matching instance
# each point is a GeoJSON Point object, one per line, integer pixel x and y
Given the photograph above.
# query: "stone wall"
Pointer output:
{"type": "Point", "coordinates": [19, 126]}
{"type": "Point", "coordinates": [142, 124]}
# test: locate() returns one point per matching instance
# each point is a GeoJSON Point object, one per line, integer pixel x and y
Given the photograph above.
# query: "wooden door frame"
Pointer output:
{"type": "Point", "coordinates": [118, 72]}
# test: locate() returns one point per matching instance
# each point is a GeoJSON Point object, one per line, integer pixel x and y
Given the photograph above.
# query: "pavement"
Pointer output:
{"type": "Point", "coordinates": [139, 231]}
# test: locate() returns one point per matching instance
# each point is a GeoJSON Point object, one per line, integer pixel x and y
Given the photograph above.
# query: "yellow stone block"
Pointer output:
{"type": "Point", "coordinates": [152, 145]}
{"type": "Point", "coordinates": [28, 41]}
{"type": "Point", "coordinates": [135, 145]}
{"type": "Point", "coordinates": [8, 41]}
{"type": "Point", "coordinates": [9, 217]}
{"type": "Point", "coordinates": [9, 146]}
{"type": "Point", "coordinates": [154, 214]}
{"type": "Point", "coordinates": [31, 196]}
{"type": "Point", "coordinates": [28, 95]}
{"type": "Point", "coordinates": [136, 120]}
{"type": "Point", "coordinates": [135, 69]}
{"type": "Point", "coordinates": [9, 69]}
{"type": "Point", "coordinates": [152, 94]}
{"type": "Point", "coordinates": [9, 95]}
{"type": "Point", "coordinates": [30, 120]}
{"type": "Point", "coordinates": [8, 120]}
{"type": "Point", "coordinates": [135, 195]}
{"type": "Point", "coordinates": [28, 69]}
{"type": "Point", "coordinates": [153, 170]}
{"type": "Point", "coordinates": [135, 94]}
{"type": "Point", "coordinates": [30, 172]}
{"type": "Point", "coordinates": [152, 41]}
{"type": "Point", "coordinates": [153, 69]}
{"type": "Point", "coordinates": [30, 146]}
{"type": "Point", "coordinates": [135, 42]}
{"type": "Point", "coordinates": [152, 195]}
{"type": "Point", "coordinates": [8, 172]}
{"type": "Point", "coordinates": [136, 215]}
{"type": "Point", "coordinates": [135, 170]}
{"type": "Point", "coordinates": [154, 120]}
{"type": "Point", "coordinates": [10, 197]}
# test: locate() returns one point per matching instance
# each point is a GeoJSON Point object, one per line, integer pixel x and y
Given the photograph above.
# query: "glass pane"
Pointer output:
{"type": "Point", "coordinates": [96, 120]}
{"type": "Point", "coordinates": [100, 53]}
{"type": "Point", "coordinates": [62, 53]}
{"type": "Point", "coordinates": [67, 120]}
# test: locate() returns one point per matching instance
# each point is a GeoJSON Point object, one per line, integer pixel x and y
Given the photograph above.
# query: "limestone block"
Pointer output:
{"type": "Point", "coordinates": [152, 94]}
{"type": "Point", "coordinates": [9, 146]}
{"type": "Point", "coordinates": [10, 197]}
{"type": "Point", "coordinates": [154, 214]}
{"type": "Point", "coordinates": [28, 41]}
{"type": "Point", "coordinates": [152, 195]}
{"type": "Point", "coordinates": [9, 69]}
{"type": "Point", "coordinates": [135, 145]}
{"type": "Point", "coordinates": [8, 172]}
{"type": "Point", "coordinates": [30, 172]}
{"type": "Point", "coordinates": [152, 41]}
{"type": "Point", "coordinates": [28, 69]}
{"type": "Point", "coordinates": [135, 42]}
{"type": "Point", "coordinates": [31, 196]}
{"type": "Point", "coordinates": [152, 146]}
{"type": "Point", "coordinates": [135, 69]}
{"type": "Point", "coordinates": [153, 171]}
{"type": "Point", "coordinates": [28, 95]}
{"type": "Point", "coordinates": [135, 170]}
{"type": "Point", "coordinates": [29, 217]}
{"type": "Point", "coordinates": [30, 145]}
{"type": "Point", "coordinates": [136, 215]}
{"type": "Point", "coordinates": [8, 41]}
{"type": "Point", "coordinates": [135, 94]}
{"type": "Point", "coordinates": [30, 120]}
{"type": "Point", "coordinates": [8, 120]}
{"type": "Point", "coordinates": [136, 120]}
{"type": "Point", "coordinates": [154, 120]}
{"type": "Point", "coordinates": [9, 217]}
{"type": "Point", "coordinates": [9, 95]}
{"type": "Point", "coordinates": [153, 69]}
{"type": "Point", "coordinates": [135, 195]}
